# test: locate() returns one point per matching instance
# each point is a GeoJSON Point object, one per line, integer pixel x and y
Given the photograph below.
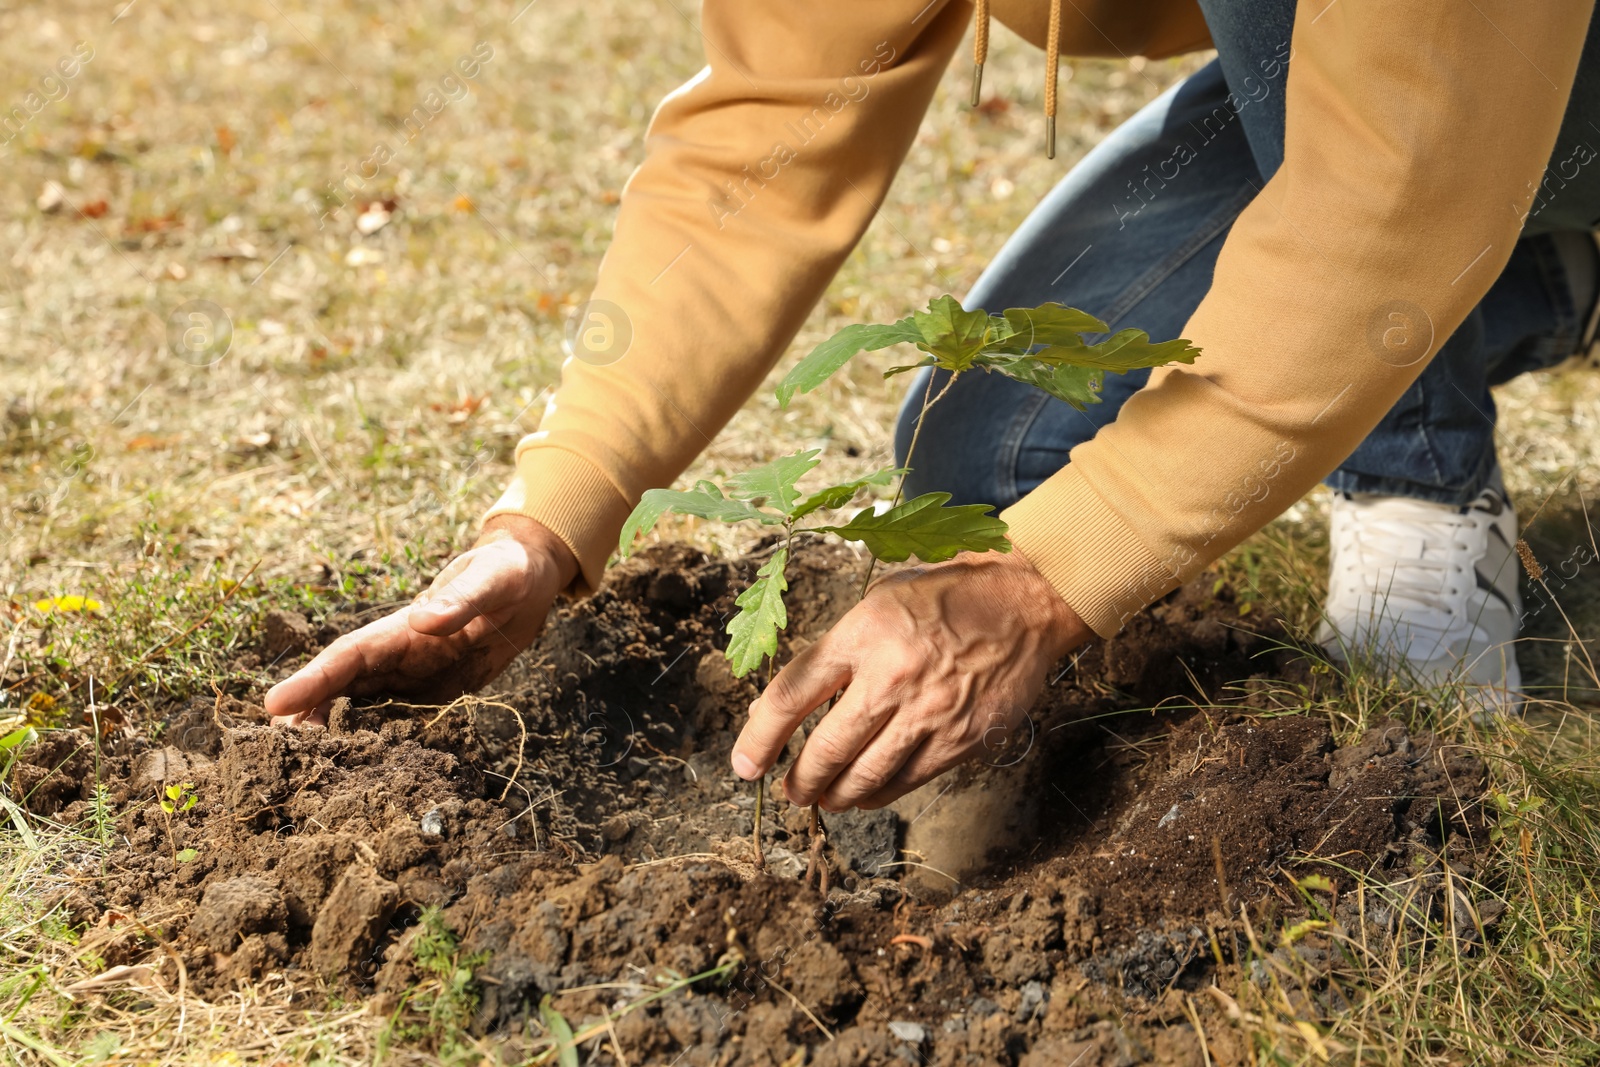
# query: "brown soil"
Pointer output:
{"type": "Point", "coordinates": [578, 826]}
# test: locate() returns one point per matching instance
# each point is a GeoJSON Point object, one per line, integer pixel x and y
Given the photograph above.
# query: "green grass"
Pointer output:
{"type": "Point", "coordinates": [438, 1011]}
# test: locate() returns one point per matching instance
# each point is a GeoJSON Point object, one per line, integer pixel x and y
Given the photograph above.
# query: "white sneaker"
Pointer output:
{"type": "Point", "coordinates": [1429, 590]}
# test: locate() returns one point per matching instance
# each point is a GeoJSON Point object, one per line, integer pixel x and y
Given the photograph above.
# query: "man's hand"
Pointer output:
{"type": "Point", "coordinates": [932, 660]}
{"type": "Point", "coordinates": [483, 609]}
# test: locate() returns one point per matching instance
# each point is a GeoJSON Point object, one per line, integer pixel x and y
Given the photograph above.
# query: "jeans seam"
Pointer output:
{"type": "Point", "coordinates": [1429, 447]}
{"type": "Point", "coordinates": [1558, 287]}
{"type": "Point", "coordinates": [1215, 223]}
{"type": "Point", "coordinates": [1010, 451]}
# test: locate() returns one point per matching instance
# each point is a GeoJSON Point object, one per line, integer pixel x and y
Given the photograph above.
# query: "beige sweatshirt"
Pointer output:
{"type": "Point", "coordinates": [1416, 135]}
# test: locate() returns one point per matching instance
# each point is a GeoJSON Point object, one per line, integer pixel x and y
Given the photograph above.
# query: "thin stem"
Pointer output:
{"type": "Point", "coordinates": [761, 783]}
{"type": "Point", "coordinates": [99, 786]}
{"type": "Point", "coordinates": [928, 400]}
{"type": "Point", "coordinates": [760, 857]}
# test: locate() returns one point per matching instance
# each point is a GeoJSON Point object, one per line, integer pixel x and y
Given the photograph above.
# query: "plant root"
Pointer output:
{"type": "Point", "coordinates": [816, 863]}
{"type": "Point", "coordinates": [755, 839]}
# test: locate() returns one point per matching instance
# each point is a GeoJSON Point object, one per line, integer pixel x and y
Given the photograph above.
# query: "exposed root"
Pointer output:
{"type": "Point", "coordinates": [755, 840]}
{"type": "Point", "coordinates": [816, 863]}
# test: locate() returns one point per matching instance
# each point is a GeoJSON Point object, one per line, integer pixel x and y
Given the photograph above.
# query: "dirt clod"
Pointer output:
{"type": "Point", "coordinates": [235, 908]}
{"type": "Point", "coordinates": [285, 633]}
{"type": "Point", "coordinates": [351, 921]}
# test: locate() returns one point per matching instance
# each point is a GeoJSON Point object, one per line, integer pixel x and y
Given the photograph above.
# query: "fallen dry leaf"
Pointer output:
{"type": "Point", "coordinates": [255, 441]}
{"type": "Point", "coordinates": [374, 216]}
{"type": "Point", "coordinates": [463, 409]}
{"type": "Point", "coordinates": [108, 718]}
{"type": "Point", "coordinates": [122, 976]}
{"type": "Point", "coordinates": [51, 198]}
{"type": "Point", "coordinates": [156, 224]}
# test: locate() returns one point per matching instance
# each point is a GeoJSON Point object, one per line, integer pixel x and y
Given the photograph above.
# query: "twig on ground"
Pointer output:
{"type": "Point", "coordinates": [801, 1005]}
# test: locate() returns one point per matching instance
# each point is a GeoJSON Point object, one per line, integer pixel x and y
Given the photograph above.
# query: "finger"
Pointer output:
{"type": "Point", "coordinates": [799, 689]}
{"type": "Point", "coordinates": [355, 654]}
{"type": "Point", "coordinates": [484, 585]}
{"type": "Point", "coordinates": [844, 731]}
{"type": "Point", "coordinates": [443, 578]}
{"type": "Point", "coordinates": [920, 768]}
{"type": "Point", "coordinates": [873, 769]}
{"type": "Point", "coordinates": [317, 716]}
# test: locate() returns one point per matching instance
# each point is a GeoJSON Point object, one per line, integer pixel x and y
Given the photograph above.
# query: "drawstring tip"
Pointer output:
{"type": "Point", "coordinates": [1049, 137]}
{"type": "Point", "coordinates": [977, 82]}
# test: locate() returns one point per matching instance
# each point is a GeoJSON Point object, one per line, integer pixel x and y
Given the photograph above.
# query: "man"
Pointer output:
{"type": "Point", "coordinates": [1349, 213]}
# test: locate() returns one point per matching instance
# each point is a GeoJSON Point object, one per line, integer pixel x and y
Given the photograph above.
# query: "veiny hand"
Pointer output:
{"type": "Point", "coordinates": [931, 660]}
{"type": "Point", "coordinates": [484, 608]}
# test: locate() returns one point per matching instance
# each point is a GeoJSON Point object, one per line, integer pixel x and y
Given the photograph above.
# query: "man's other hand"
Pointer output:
{"type": "Point", "coordinates": [483, 609]}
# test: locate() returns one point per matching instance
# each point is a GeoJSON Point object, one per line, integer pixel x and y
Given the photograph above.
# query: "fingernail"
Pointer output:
{"type": "Point", "coordinates": [745, 767]}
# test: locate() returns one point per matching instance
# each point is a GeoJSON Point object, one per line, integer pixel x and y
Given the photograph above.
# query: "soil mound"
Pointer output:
{"type": "Point", "coordinates": [577, 826]}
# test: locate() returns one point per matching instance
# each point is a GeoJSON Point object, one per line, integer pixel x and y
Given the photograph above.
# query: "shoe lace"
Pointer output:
{"type": "Point", "coordinates": [1418, 564]}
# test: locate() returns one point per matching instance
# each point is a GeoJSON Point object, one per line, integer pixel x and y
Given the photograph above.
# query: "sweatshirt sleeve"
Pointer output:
{"type": "Point", "coordinates": [1416, 134]}
{"type": "Point", "coordinates": [761, 173]}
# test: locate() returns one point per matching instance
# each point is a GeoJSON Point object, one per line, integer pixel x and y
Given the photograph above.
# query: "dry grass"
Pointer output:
{"type": "Point", "coordinates": [369, 404]}
{"type": "Point", "coordinates": [375, 385]}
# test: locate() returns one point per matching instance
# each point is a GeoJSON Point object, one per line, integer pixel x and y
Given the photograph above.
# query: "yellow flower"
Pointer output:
{"type": "Point", "coordinates": [66, 605]}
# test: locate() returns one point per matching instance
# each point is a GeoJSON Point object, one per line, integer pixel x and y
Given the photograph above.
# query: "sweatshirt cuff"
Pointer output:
{"type": "Point", "coordinates": [572, 498]}
{"type": "Point", "coordinates": [1092, 557]}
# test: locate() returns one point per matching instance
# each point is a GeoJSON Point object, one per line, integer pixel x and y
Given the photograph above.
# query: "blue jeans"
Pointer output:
{"type": "Point", "coordinates": [1131, 235]}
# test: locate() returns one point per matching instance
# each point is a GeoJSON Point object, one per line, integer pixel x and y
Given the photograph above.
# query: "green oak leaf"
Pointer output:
{"type": "Point", "coordinates": [836, 351]}
{"type": "Point", "coordinates": [837, 496]}
{"type": "Point", "coordinates": [1123, 351]}
{"type": "Point", "coordinates": [753, 633]}
{"type": "Point", "coordinates": [704, 500]}
{"type": "Point", "coordinates": [1078, 386]}
{"type": "Point", "coordinates": [1049, 324]}
{"type": "Point", "coordinates": [930, 361]}
{"type": "Point", "coordinates": [954, 335]}
{"type": "Point", "coordinates": [925, 528]}
{"type": "Point", "coordinates": [773, 483]}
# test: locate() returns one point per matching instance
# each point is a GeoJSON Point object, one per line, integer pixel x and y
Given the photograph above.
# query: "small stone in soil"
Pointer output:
{"type": "Point", "coordinates": [782, 863]}
{"type": "Point", "coordinates": [433, 823]}
{"type": "Point", "coordinates": [1033, 997]}
{"type": "Point", "coordinates": [914, 1033]}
